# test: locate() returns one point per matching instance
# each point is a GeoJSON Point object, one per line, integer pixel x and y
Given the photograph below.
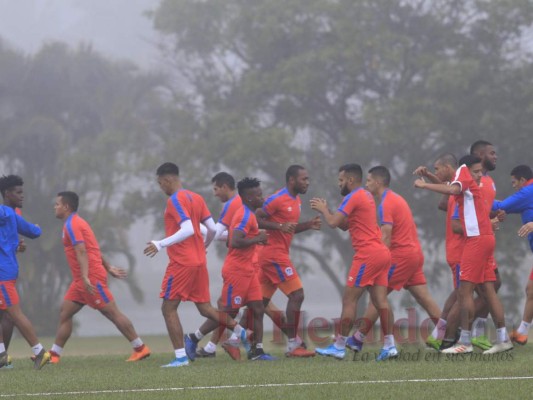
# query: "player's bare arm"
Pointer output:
{"type": "Point", "coordinates": [83, 261]}
{"type": "Point", "coordinates": [438, 187]}
{"type": "Point", "coordinates": [386, 234]}
{"type": "Point", "coordinates": [115, 272]}
{"type": "Point", "coordinates": [333, 220]}
{"type": "Point", "coordinates": [239, 239]}
{"type": "Point", "coordinates": [314, 223]}
{"type": "Point", "coordinates": [264, 223]}
{"type": "Point", "coordinates": [423, 171]}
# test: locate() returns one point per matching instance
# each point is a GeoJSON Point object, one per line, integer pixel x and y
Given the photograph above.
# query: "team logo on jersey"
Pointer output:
{"type": "Point", "coordinates": [289, 271]}
{"type": "Point", "coordinates": [350, 278]}
{"type": "Point", "coordinates": [97, 301]}
{"type": "Point", "coordinates": [289, 209]}
{"type": "Point", "coordinates": [237, 300]}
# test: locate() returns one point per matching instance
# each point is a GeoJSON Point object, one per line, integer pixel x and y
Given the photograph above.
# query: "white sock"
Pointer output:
{"type": "Point", "coordinates": [440, 329]}
{"type": "Point", "coordinates": [466, 337]}
{"type": "Point", "coordinates": [478, 327]}
{"type": "Point", "coordinates": [299, 340]}
{"type": "Point", "coordinates": [359, 336]}
{"type": "Point", "coordinates": [233, 336]}
{"type": "Point", "coordinates": [210, 347]}
{"type": "Point", "coordinates": [237, 330]}
{"type": "Point", "coordinates": [340, 342]}
{"type": "Point", "coordinates": [57, 349]}
{"type": "Point", "coordinates": [523, 329]}
{"type": "Point", "coordinates": [199, 335]}
{"type": "Point", "coordinates": [37, 348]}
{"type": "Point", "coordinates": [292, 344]}
{"type": "Point", "coordinates": [180, 353]}
{"type": "Point", "coordinates": [134, 343]}
{"type": "Point", "coordinates": [501, 335]}
{"type": "Point", "coordinates": [259, 346]}
{"type": "Point", "coordinates": [2, 347]}
{"type": "Point", "coordinates": [388, 341]}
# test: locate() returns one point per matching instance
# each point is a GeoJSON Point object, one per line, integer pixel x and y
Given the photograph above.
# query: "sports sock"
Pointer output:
{"type": "Point", "coordinates": [233, 336]}
{"type": "Point", "coordinates": [135, 343]}
{"type": "Point", "coordinates": [37, 348]}
{"type": "Point", "coordinates": [388, 341]}
{"type": "Point", "coordinates": [478, 327]}
{"type": "Point", "coordinates": [501, 335]}
{"type": "Point", "coordinates": [237, 330]}
{"type": "Point", "coordinates": [523, 329]}
{"type": "Point", "coordinates": [2, 347]}
{"type": "Point", "coordinates": [180, 353]}
{"type": "Point", "coordinates": [465, 337]}
{"type": "Point", "coordinates": [57, 349]}
{"type": "Point", "coordinates": [259, 346]}
{"type": "Point", "coordinates": [359, 336]}
{"type": "Point", "coordinates": [440, 329]}
{"type": "Point", "coordinates": [340, 342]}
{"type": "Point", "coordinates": [292, 344]}
{"type": "Point", "coordinates": [210, 347]}
{"type": "Point", "coordinates": [199, 335]}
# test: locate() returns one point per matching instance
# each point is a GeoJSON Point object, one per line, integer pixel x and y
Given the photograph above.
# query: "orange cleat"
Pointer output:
{"type": "Point", "coordinates": [54, 357]}
{"type": "Point", "coordinates": [140, 354]}
{"type": "Point", "coordinates": [300, 352]}
{"type": "Point", "coordinates": [233, 350]}
{"type": "Point", "coordinates": [518, 338]}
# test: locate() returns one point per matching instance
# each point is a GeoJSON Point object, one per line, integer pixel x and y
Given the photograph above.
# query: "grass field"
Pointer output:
{"type": "Point", "coordinates": [94, 368]}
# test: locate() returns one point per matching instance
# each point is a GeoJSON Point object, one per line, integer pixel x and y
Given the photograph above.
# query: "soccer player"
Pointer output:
{"type": "Point", "coordinates": [443, 336]}
{"type": "Point", "coordinates": [487, 153]}
{"type": "Point", "coordinates": [371, 261]}
{"type": "Point", "coordinates": [89, 280]}
{"type": "Point", "coordinates": [399, 234]}
{"type": "Point", "coordinates": [280, 215]}
{"type": "Point", "coordinates": [479, 245]}
{"type": "Point", "coordinates": [186, 277]}
{"type": "Point", "coordinates": [521, 203]}
{"type": "Point", "coordinates": [241, 282]}
{"type": "Point", "coordinates": [11, 225]}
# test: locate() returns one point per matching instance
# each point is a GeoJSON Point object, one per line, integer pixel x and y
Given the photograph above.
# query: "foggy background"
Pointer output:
{"type": "Point", "coordinates": [94, 95]}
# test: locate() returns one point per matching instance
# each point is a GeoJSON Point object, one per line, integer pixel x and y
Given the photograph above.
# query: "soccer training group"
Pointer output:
{"type": "Point", "coordinates": [258, 235]}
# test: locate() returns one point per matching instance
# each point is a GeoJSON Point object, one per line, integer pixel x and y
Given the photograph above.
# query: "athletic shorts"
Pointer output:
{"type": "Point", "coordinates": [456, 273]}
{"type": "Point", "coordinates": [239, 290]}
{"type": "Point", "coordinates": [97, 300]}
{"type": "Point", "coordinates": [475, 266]}
{"type": "Point", "coordinates": [276, 273]}
{"type": "Point", "coordinates": [406, 271]}
{"type": "Point", "coordinates": [186, 284]}
{"type": "Point", "coordinates": [369, 270]}
{"type": "Point", "coordinates": [8, 294]}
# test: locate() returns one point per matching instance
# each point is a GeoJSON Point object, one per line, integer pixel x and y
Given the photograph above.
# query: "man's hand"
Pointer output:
{"type": "Point", "coordinates": [150, 250]}
{"type": "Point", "coordinates": [421, 171]}
{"type": "Point", "coordinates": [525, 229]}
{"type": "Point", "coordinates": [116, 272]}
{"type": "Point", "coordinates": [420, 183]}
{"type": "Point", "coordinates": [315, 223]}
{"type": "Point", "coordinates": [318, 204]}
{"type": "Point", "coordinates": [288, 227]}
{"type": "Point", "coordinates": [88, 285]}
{"type": "Point", "coordinates": [262, 237]}
{"type": "Point", "coordinates": [21, 248]}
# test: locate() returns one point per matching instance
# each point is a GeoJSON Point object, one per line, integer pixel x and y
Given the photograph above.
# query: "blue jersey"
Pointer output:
{"type": "Point", "coordinates": [11, 225]}
{"type": "Point", "coordinates": [519, 203]}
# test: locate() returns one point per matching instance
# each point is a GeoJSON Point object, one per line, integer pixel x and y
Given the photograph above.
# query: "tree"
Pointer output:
{"type": "Point", "coordinates": [265, 84]}
{"type": "Point", "coordinates": [71, 120]}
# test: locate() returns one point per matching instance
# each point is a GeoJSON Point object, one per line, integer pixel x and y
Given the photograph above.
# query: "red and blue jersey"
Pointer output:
{"type": "Point", "coordinates": [360, 209]}
{"type": "Point", "coordinates": [281, 207]}
{"type": "Point", "coordinates": [11, 225]}
{"type": "Point", "coordinates": [488, 189]}
{"type": "Point", "coordinates": [240, 260]}
{"type": "Point", "coordinates": [454, 241]}
{"type": "Point", "coordinates": [230, 207]}
{"type": "Point", "coordinates": [75, 231]}
{"type": "Point", "coordinates": [182, 206]}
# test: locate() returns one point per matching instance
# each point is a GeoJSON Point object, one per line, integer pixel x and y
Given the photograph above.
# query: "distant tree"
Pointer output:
{"type": "Point", "coordinates": [71, 120]}
{"type": "Point", "coordinates": [262, 84]}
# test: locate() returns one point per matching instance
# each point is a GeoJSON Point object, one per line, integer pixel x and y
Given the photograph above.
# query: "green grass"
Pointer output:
{"type": "Point", "coordinates": [97, 373]}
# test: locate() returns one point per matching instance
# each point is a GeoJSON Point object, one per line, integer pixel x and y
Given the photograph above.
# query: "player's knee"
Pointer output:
{"type": "Point", "coordinates": [297, 296]}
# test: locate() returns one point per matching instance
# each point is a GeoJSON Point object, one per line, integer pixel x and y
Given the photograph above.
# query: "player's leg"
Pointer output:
{"type": "Point", "coordinates": [7, 326]}
{"type": "Point", "coordinates": [520, 335]}
{"type": "Point", "coordinates": [64, 328]}
{"type": "Point", "coordinates": [378, 296]}
{"type": "Point", "coordinates": [169, 309]}
{"type": "Point", "coordinates": [503, 342]}
{"type": "Point", "coordinates": [465, 307]}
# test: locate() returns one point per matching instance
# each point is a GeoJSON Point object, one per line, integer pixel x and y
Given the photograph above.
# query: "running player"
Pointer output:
{"type": "Point", "coordinates": [399, 234]}
{"type": "Point", "coordinates": [280, 215]}
{"type": "Point", "coordinates": [186, 277]}
{"type": "Point", "coordinates": [11, 225]}
{"type": "Point", "coordinates": [89, 280]}
{"type": "Point", "coordinates": [479, 245]}
{"type": "Point", "coordinates": [371, 261]}
{"type": "Point", "coordinates": [521, 203]}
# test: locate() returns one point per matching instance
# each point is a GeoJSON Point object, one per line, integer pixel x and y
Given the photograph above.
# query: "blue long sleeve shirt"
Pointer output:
{"type": "Point", "coordinates": [519, 203]}
{"type": "Point", "coordinates": [11, 226]}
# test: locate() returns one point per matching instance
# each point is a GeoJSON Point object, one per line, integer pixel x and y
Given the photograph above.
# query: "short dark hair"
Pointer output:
{"type": "Point", "coordinates": [354, 169]}
{"type": "Point", "coordinates": [293, 171]}
{"type": "Point", "coordinates": [247, 183]}
{"type": "Point", "coordinates": [522, 171]}
{"type": "Point", "coordinates": [168, 168]}
{"type": "Point", "coordinates": [71, 199]}
{"type": "Point", "coordinates": [469, 160]}
{"type": "Point", "coordinates": [478, 145]}
{"type": "Point", "coordinates": [381, 172]}
{"type": "Point", "coordinates": [447, 159]}
{"type": "Point", "coordinates": [8, 182]}
{"type": "Point", "coordinates": [223, 178]}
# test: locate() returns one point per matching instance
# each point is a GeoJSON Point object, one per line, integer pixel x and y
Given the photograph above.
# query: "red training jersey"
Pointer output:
{"type": "Point", "coordinates": [360, 209]}
{"type": "Point", "coordinates": [76, 230]}
{"type": "Point", "coordinates": [488, 189]}
{"type": "Point", "coordinates": [230, 207]}
{"type": "Point", "coordinates": [181, 206]}
{"type": "Point", "coordinates": [454, 241]}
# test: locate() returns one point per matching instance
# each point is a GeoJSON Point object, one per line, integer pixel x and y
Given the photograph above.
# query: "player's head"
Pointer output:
{"type": "Point", "coordinates": [474, 165]}
{"type": "Point", "coordinates": [520, 175]}
{"type": "Point", "coordinates": [66, 203]}
{"type": "Point", "coordinates": [297, 179]}
{"type": "Point", "coordinates": [223, 186]}
{"type": "Point", "coordinates": [250, 192]}
{"type": "Point", "coordinates": [12, 191]}
{"type": "Point", "coordinates": [487, 152]}
{"type": "Point", "coordinates": [350, 177]}
{"type": "Point", "coordinates": [168, 176]}
{"type": "Point", "coordinates": [377, 178]}
{"type": "Point", "coordinates": [445, 167]}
